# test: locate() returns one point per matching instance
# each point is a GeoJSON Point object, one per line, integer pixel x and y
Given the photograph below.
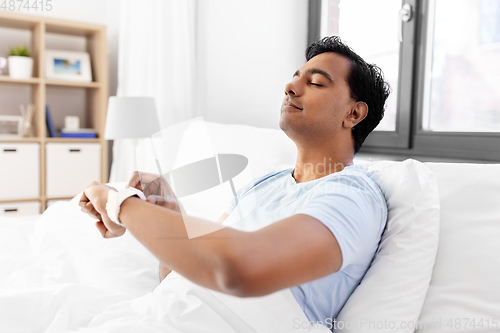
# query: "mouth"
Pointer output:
{"type": "Point", "coordinates": [291, 105]}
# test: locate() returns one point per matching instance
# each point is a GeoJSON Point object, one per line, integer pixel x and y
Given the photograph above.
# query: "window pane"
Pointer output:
{"type": "Point", "coordinates": [463, 66]}
{"type": "Point", "coordinates": [370, 28]}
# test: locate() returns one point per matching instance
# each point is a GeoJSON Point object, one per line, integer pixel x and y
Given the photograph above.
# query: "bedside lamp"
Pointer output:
{"type": "Point", "coordinates": [132, 118]}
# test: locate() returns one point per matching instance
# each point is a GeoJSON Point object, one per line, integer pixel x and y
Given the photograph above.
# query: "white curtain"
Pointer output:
{"type": "Point", "coordinates": [156, 58]}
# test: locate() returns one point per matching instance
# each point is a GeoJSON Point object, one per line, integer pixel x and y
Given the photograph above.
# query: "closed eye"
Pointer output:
{"type": "Point", "coordinates": [317, 84]}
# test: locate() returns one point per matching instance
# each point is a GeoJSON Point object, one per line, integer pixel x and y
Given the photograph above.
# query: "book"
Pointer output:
{"type": "Point", "coordinates": [84, 133]}
{"type": "Point", "coordinates": [50, 124]}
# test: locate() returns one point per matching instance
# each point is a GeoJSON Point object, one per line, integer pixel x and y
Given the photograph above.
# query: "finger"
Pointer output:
{"type": "Point", "coordinates": [105, 233]}
{"type": "Point", "coordinates": [102, 228]}
{"type": "Point", "coordinates": [149, 180]}
{"type": "Point", "coordinates": [95, 216]}
{"type": "Point", "coordinates": [114, 229]}
{"type": "Point", "coordinates": [135, 181]}
{"type": "Point", "coordinates": [85, 209]}
{"type": "Point", "coordinates": [93, 212]}
{"type": "Point", "coordinates": [151, 188]}
{"type": "Point", "coordinates": [89, 208]}
{"type": "Point", "coordinates": [83, 199]}
{"type": "Point", "coordinates": [168, 189]}
{"type": "Point", "coordinates": [157, 200]}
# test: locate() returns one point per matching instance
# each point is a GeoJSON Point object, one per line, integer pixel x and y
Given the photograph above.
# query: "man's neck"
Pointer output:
{"type": "Point", "coordinates": [317, 163]}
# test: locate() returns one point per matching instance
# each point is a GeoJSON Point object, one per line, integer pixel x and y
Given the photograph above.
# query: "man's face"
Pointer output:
{"type": "Point", "coordinates": [318, 98]}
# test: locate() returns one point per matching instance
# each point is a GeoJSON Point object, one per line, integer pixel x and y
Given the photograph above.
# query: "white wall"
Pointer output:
{"type": "Point", "coordinates": [248, 51]}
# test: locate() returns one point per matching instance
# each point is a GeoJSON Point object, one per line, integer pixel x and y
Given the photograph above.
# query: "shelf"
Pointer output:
{"type": "Point", "coordinates": [72, 140]}
{"type": "Point", "coordinates": [6, 139]}
{"type": "Point", "coordinates": [14, 20]}
{"type": "Point", "coordinates": [60, 140]}
{"type": "Point", "coordinates": [50, 82]}
{"type": "Point", "coordinates": [56, 26]}
{"type": "Point", "coordinates": [17, 21]}
{"type": "Point", "coordinates": [88, 100]}
{"type": "Point", "coordinates": [8, 79]}
{"type": "Point", "coordinates": [19, 200]}
{"type": "Point", "coordinates": [61, 83]}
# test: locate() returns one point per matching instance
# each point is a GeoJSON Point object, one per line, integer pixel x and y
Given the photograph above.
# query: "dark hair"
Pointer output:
{"type": "Point", "coordinates": [366, 82]}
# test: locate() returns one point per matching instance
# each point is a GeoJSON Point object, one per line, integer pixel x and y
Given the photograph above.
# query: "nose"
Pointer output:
{"type": "Point", "coordinates": [292, 88]}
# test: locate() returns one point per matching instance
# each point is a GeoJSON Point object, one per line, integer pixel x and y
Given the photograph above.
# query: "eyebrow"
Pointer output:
{"type": "Point", "coordinates": [315, 71]}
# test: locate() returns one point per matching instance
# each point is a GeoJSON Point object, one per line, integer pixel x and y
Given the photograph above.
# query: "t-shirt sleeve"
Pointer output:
{"type": "Point", "coordinates": [353, 210]}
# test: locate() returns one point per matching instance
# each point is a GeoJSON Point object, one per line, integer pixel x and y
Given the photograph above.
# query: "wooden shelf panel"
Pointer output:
{"type": "Point", "coordinates": [6, 139]}
{"type": "Point", "coordinates": [17, 21]}
{"type": "Point", "coordinates": [20, 200]}
{"type": "Point", "coordinates": [43, 140]}
{"type": "Point", "coordinates": [53, 25]}
{"type": "Point", "coordinates": [61, 83]}
{"type": "Point", "coordinates": [8, 79]}
{"type": "Point", "coordinates": [73, 140]}
{"type": "Point", "coordinates": [73, 28]}
{"type": "Point", "coordinates": [50, 82]}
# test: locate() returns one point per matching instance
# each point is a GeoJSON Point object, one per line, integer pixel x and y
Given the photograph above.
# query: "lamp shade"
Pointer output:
{"type": "Point", "coordinates": [131, 117]}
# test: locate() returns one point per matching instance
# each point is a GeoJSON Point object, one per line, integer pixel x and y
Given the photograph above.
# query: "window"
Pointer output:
{"type": "Point", "coordinates": [462, 73]}
{"type": "Point", "coordinates": [377, 44]}
{"type": "Point", "coordinates": [443, 65]}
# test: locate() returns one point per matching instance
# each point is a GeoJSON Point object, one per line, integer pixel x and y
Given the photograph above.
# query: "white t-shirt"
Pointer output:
{"type": "Point", "coordinates": [348, 203]}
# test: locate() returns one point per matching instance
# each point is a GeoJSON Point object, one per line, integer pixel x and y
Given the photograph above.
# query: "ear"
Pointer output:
{"type": "Point", "coordinates": [357, 113]}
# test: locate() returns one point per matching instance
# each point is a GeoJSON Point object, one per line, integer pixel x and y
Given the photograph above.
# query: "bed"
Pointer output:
{"type": "Point", "coordinates": [57, 274]}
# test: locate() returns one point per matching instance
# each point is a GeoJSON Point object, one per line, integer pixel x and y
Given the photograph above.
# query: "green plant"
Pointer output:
{"type": "Point", "coordinates": [21, 51]}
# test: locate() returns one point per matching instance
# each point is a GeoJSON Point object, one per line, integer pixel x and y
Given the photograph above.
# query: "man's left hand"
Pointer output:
{"type": "Point", "coordinates": [93, 202]}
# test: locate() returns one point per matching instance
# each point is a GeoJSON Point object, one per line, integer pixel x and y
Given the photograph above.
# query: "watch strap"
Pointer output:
{"type": "Point", "coordinates": [115, 200]}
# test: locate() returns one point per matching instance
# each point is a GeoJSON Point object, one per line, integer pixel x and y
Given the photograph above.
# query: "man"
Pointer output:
{"type": "Point", "coordinates": [315, 229]}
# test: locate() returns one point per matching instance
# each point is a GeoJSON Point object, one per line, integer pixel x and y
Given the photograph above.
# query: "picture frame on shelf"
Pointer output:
{"type": "Point", "coordinates": [68, 65]}
{"type": "Point", "coordinates": [11, 126]}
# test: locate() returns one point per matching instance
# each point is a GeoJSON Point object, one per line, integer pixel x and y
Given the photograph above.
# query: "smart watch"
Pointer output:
{"type": "Point", "coordinates": [115, 200]}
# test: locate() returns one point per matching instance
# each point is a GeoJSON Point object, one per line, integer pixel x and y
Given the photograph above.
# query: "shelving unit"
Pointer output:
{"type": "Point", "coordinates": [96, 92]}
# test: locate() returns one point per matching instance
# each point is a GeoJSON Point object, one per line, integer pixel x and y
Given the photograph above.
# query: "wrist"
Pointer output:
{"type": "Point", "coordinates": [117, 199]}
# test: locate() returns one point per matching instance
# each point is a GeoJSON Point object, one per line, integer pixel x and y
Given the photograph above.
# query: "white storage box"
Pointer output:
{"type": "Point", "coordinates": [19, 170]}
{"type": "Point", "coordinates": [20, 208]}
{"type": "Point", "coordinates": [71, 167]}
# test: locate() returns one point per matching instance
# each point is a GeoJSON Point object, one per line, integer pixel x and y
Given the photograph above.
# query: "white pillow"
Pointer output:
{"type": "Point", "coordinates": [464, 295]}
{"type": "Point", "coordinates": [391, 294]}
{"type": "Point", "coordinates": [266, 150]}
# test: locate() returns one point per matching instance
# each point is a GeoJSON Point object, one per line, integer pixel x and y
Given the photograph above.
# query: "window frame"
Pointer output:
{"type": "Point", "coordinates": [410, 139]}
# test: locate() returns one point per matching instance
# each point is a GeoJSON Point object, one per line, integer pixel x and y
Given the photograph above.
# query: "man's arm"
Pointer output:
{"type": "Point", "coordinates": [164, 270]}
{"type": "Point", "coordinates": [287, 253]}
{"type": "Point", "coordinates": [158, 191]}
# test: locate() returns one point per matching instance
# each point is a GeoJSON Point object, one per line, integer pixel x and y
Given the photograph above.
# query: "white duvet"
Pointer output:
{"type": "Point", "coordinates": [57, 274]}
